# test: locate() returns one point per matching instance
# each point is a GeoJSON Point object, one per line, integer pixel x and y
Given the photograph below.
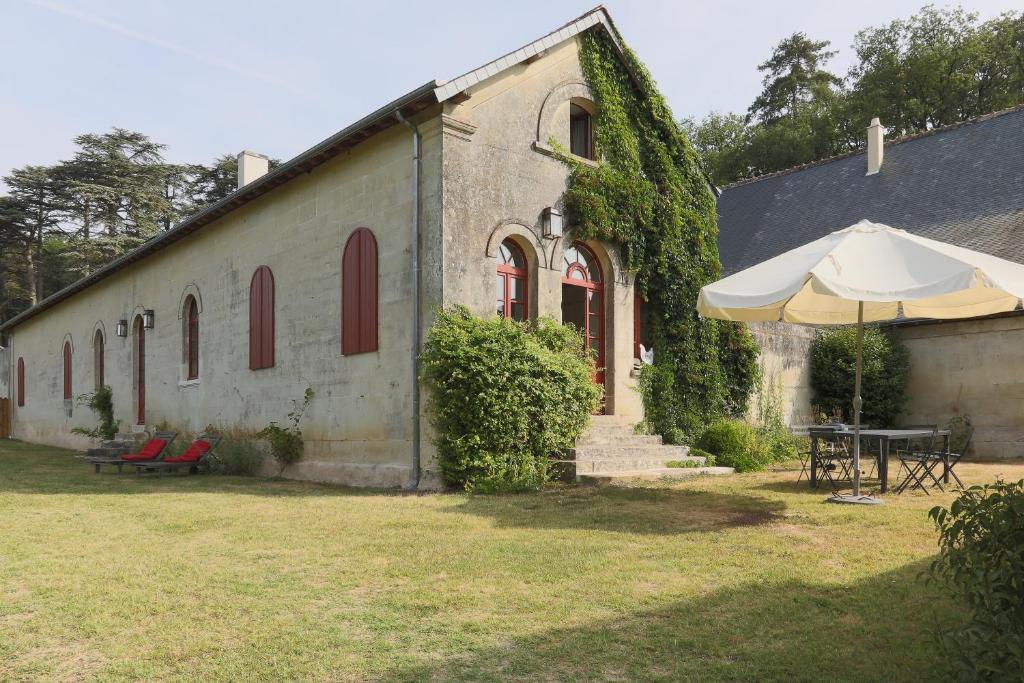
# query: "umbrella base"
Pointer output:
{"type": "Point", "coordinates": [850, 499]}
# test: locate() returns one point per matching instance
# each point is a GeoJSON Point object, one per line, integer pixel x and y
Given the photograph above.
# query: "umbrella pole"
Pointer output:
{"type": "Point", "coordinates": [857, 403]}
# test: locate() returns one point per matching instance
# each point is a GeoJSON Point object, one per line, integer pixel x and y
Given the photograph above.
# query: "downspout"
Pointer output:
{"type": "Point", "coordinates": [414, 480]}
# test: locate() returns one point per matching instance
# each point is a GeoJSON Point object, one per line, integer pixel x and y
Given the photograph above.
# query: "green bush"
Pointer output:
{"type": "Point", "coordinates": [981, 557]}
{"type": "Point", "coordinates": [734, 443]}
{"type": "Point", "coordinates": [886, 364]}
{"type": "Point", "coordinates": [239, 455]}
{"type": "Point", "coordinates": [102, 403]}
{"type": "Point", "coordinates": [286, 444]}
{"type": "Point", "coordinates": [505, 396]}
{"type": "Point", "coordinates": [709, 459]}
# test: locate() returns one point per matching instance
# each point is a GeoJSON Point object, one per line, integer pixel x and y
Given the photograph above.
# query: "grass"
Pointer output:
{"type": "Point", "coordinates": [749, 577]}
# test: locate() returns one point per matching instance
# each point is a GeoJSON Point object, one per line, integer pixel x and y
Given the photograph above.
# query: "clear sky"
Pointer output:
{"type": "Point", "coordinates": [216, 76]}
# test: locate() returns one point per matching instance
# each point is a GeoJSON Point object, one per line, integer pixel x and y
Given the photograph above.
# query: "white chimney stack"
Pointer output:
{"type": "Point", "coordinates": [251, 166]}
{"type": "Point", "coordinates": [876, 146]}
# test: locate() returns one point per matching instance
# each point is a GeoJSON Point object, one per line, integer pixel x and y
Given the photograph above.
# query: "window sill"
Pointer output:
{"type": "Point", "coordinates": [186, 383]}
{"type": "Point", "coordinates": [550, 152]}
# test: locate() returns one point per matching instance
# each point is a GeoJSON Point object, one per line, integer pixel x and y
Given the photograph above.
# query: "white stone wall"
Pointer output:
{"type": "Point", "coordinates": [971, 368]}
{"type": "Point", "coordinates": [358, 427]}
{"type": "Point", "coordinates": [785, 364]}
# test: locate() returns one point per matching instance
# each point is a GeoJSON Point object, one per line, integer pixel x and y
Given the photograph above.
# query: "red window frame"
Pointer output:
{"type": "Point", "coordinates": [261, 319]}
{"type": "Point", "coordinates": [592, 287]}
{"type": "Point", "coordinates": [67, 371]}
{"type": "Point", "coordinates": [97, 346]}
{"type": "Point", "coordinates": [192, 337]}
{"type": "Point", "coordinates": [582, 120]}
{"type": "Point", "coordinates": [508, 273]}
{"type": "Point", "coordinates": [21, 382]}
{"type": "Point", "coordinates": [359, 316]}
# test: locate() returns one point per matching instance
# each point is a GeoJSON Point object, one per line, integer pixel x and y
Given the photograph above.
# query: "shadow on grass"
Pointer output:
{"type": "Point", "coordinates": [625, 509]}
{"type": "Point", "coordinates": [877, 629]}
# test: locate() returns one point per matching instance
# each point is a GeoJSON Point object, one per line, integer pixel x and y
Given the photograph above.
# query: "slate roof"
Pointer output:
{"type": "Point", "coordinates": [962, 184]}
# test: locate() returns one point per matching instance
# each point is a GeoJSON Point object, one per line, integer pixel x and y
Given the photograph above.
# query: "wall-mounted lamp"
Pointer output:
{"type": "Point", "coordinates": [122, 328]}
{"type": "Point", "coordinates": [148, 318]}
{"type": "Point", "coordinates": [552, 223]}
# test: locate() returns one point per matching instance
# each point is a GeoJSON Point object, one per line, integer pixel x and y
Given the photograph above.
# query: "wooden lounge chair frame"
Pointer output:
{"type": "Point", "coordinates": [160, 467]}
{"type": "Point", "coordinates": [120, 462]}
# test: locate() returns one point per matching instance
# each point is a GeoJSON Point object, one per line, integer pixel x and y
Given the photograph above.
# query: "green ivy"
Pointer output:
{"type": "Point", "coordinates": [651, 197]}
{"type": "Point", "coordinates": [102, 403]}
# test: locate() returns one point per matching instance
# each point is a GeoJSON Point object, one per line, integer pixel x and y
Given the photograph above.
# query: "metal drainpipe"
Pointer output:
{"type": "Point", "coordinates": [414, 481]}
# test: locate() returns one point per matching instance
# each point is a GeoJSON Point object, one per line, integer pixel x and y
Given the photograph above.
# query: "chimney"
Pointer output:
{"type": "Point", "coordinates": [876, 146]}
{"type": "Point", "coordinates": [251, 166]}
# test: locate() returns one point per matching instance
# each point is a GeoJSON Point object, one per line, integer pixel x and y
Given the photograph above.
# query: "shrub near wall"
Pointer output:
{"type": "Point", "coordinates": [505, 396]}
{"type": "Point", "coordinates": [886, 365]}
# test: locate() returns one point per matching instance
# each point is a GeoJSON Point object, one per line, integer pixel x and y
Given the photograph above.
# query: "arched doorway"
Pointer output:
{"type": "Point", "coordinates": [583, 300]}
{"type": "Point", "coordinates": [140, 370]}
{"type": "Point", "coordinates": [512, 282]}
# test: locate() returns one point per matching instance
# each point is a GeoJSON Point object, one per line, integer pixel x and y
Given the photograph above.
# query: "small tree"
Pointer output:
{"type": "Point", "coordinates": [886, 365]}
{"type": "Point", "coordinates": [102, 403]}
{"type": "Point", "coordinates": [286, 443]}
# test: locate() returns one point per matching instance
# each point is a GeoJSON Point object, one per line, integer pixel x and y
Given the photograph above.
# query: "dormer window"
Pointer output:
{"type": "Point", "coordinates": [581, 132]}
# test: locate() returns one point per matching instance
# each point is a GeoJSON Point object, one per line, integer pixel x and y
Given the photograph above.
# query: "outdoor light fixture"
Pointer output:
{"type": "Point", "coordinates": [552, 223]}
{"type": "Point", "coordinates": [148, 318]}
{"type": "Point", "coordinates": [122, 328]}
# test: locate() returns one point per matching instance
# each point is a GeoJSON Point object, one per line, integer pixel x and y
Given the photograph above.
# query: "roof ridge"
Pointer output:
{"type": "Point", "coordinates": [888, 143]}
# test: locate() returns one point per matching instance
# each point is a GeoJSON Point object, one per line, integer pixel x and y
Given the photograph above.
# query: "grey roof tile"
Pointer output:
{"type": "Point", "coordinates": [963, 185]}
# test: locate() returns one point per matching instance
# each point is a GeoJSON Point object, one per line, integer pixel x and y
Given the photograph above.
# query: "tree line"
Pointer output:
{"type": "Point", "coordinates": [58, 223]}
{"type": "Point", "coordinates": [938, 67]}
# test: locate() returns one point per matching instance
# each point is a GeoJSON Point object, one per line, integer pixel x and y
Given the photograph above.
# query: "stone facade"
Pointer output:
{"type": "Point", "coordinates": [486, 173]}
{"type": "Point", "coordinates": [969, 368]}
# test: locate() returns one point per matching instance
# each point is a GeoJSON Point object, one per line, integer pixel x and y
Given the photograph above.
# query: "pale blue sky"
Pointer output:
{"type": "Point", "coordinates": [213, 77]}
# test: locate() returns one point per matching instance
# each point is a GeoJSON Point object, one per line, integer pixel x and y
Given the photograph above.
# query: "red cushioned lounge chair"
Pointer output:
{"type": "Point", "coordinates": [152, 451]}
{"type": "Point", "coordinates": [196, 456]}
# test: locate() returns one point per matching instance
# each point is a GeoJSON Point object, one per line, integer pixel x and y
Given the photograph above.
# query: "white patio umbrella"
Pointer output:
{"type": "Point", "coordinates": [866, 273]}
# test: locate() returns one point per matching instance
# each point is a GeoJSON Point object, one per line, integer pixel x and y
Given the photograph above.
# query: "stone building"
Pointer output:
{"type": "Point", "coordinates": [962, 184]}
{"type": "Point", "coordinates": [324, 273]}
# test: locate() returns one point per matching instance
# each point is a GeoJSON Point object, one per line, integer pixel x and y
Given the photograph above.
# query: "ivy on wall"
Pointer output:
{"type": "Point", "coordinates": [650, 197]}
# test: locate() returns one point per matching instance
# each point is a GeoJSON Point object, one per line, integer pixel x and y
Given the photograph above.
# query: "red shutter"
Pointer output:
{"type": "Point", "coordinates": [261, 319]}
{"type": "Point", "coordinates": [359, 294]}
{"type": "Point", "coordinates": [67, 370]}
{"type": "Point", "coordinates": [98, 349]}
{"type": "Point", "coordinates": [193, 340]}
{"type": "Point", "coordinates": [21, 382]}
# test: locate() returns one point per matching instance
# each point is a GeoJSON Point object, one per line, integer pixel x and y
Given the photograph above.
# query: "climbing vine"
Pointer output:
{"type": "Point", "coordinates": [650, 197]}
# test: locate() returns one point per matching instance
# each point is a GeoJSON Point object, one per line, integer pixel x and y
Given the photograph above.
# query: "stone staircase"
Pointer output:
{"type": "Point", "coordinates": [609, 451]}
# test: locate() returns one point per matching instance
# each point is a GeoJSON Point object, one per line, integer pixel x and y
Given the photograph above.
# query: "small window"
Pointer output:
{"type": "Point", "coordinates": [21, 382]}
{"type": "Point", "coordinates": [359, 293]}
{"type": "Point", "coordinates": [192, 337]}
{"type": "Point", "coordinates": [67, 371]}
{"type": "Point", "coordinates": [261, 319]}
{"type": "Point", "coordinates": [512, 282]}
{"type": "Point", "coordinates": [581, 132]}
{"type": "Point", "coordinates": [97, 361]}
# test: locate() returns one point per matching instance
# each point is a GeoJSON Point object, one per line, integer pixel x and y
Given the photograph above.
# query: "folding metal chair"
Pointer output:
{"type": "Point", "coordinates": [919, 464]}
{"type": "Point", "coordinates": [835, 463]}
{"type": "Point", "coordinates": [938, 459]}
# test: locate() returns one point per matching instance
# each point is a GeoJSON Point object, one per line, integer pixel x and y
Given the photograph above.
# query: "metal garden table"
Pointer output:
{"type": "Point", "coordinates": [885, 438]}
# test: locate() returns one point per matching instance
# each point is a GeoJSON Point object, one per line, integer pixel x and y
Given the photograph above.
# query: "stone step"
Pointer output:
{"type": "Point", "coordinates": [623, 439]}
{"type": "Point", "coordinates": [611, 420]}
{"type": "Point", "coordinates": [629, 464]}
{"type": "Point", "coordinates": [604, 478]}
{"type": "Point", "coordinates": [589, 452]}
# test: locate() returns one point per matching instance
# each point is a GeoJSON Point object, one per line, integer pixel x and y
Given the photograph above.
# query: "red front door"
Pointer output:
{"type": "Point", "coordinates": [583, 300]}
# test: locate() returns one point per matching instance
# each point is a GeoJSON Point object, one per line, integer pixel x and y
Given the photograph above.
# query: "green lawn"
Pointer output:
{"type": "Point", "coordinates": [749, 577]}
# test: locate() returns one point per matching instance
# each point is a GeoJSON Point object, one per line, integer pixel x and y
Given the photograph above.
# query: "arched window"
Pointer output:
{"type": "Point", "coordinates": [21, 382]}
{"type": "Point", "coordinates": [359, 293]}
{"type": "Point", "coordinates": [191, 338]}
{"type": "Point", "coordinates": [512, 278]}
{"type": "Point", "coordinates": [581, 132]}
{"type": "Point", "coordinates": [261, 319]}
{"type": "Point", "coordinates": [140, 370]}
{"type": "Point", "coordinates": [97, 359]}
{"type": "Point", "coordinates": [583, 300]}
{"type": "Point", "coordinates": [67, 371]}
